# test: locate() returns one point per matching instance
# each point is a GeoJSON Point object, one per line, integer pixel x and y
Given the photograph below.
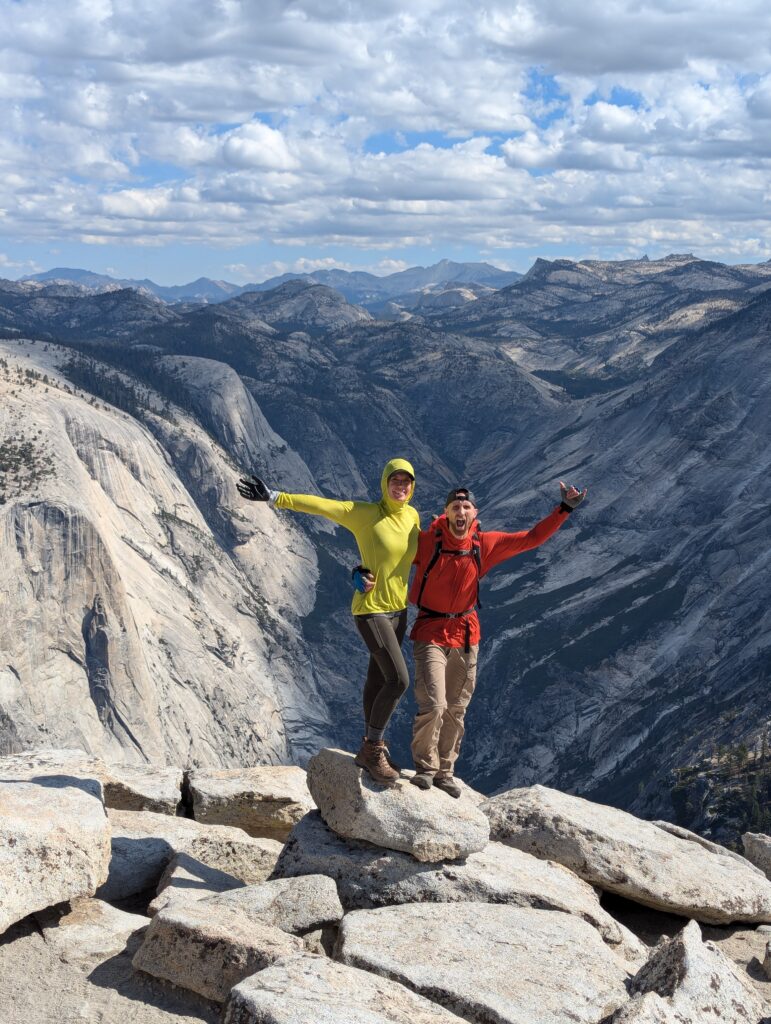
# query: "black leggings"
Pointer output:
{"type": "Point", "coordinates": [387, 675]}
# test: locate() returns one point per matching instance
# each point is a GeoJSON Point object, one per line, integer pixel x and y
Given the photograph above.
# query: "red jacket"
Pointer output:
{"type": "Point", "coordinates": [452, 583]}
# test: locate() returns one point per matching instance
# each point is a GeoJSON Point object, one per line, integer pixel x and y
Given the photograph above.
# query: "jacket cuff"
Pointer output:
{"type": "Point", "coordinates": [564, 508]}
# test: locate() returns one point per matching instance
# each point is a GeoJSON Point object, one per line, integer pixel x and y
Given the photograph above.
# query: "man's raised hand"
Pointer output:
{"type": "Point", "coordinates": [571, 496]}
{"type": "Point", "coordinates": [253, 488]}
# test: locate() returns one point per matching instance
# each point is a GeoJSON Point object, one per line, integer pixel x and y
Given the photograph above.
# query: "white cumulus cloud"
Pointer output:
{"type": "Point", "coordinates": [256, 146]}
{"type": "Point", "coordinates": [383, 125]}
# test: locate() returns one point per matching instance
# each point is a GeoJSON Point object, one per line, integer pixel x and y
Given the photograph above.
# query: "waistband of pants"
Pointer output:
{"type": "Point", "coordinates": [375, 615]}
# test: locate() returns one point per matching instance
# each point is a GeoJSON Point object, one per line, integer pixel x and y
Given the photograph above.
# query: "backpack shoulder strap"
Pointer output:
{"type": "Point", "coordinates": [431, 563]}
{"type": "Point", "coordinates": [476, 551]}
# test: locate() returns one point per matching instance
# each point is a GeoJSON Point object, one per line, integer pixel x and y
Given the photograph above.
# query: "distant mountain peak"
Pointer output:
{"type": "Point", "coordinates": [680, 257]}
{"type": "Point", "coordinates": [203, 289]}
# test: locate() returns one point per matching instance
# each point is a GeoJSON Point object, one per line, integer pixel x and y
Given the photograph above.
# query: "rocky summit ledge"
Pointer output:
{"type": "Point", "coordinates": [368, 877]}
{"type": "Point", "coordinates": [384, 906]}
{"type": "Point", "coordinates": [430, 826]}
{"type": "Point", "coordinates": [128, 787]}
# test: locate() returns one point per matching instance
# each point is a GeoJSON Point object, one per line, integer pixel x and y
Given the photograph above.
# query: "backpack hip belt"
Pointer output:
{"type": "Point", "coordinates": [429, 613]}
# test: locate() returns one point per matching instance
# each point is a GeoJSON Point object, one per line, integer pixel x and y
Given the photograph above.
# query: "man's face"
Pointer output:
{"type": "Point", "coordinates": [460, 515]}
{"type": "Point", "coordinates": [399, 486]}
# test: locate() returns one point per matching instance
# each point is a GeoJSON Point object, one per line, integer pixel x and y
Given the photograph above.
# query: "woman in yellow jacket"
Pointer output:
{"type": "Point", "coordinates": [386, 533]}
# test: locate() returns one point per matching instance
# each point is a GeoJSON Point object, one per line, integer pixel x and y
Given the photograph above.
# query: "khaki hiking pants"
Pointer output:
{"type": "Point", "coordinates": [444, 682]}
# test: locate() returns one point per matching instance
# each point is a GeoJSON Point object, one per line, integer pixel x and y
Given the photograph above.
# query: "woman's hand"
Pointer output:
{"type": "Point", "coordinates": [254, 489]}
{"type": "Point", "coordinates": [363, 579]}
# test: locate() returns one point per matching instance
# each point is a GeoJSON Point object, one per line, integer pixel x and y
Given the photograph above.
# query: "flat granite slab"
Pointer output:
{"type": "Point", "coordinates": [507, 965]}
{"type": "Point", "coordinates": [308, 989]}
{"type": "Point", "coordinates": [666, 869]}
{"type": "Point", "coordinates": [265, 801]}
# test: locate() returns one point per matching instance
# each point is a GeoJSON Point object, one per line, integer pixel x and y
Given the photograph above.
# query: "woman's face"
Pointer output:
{"type": "Point", "coordinates": [399, 486]}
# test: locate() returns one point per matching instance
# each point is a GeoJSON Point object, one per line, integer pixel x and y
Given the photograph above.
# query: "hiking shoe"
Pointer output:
{"type": "Point", "coordinates": [360, 759]}
{"type": "Point", "coordinates": [390, 760]}
{"type": "Point", "coordinates": [423, 780]}
{"type": "Point", "coordinates": [448, 785]}
{"type": "Point", "coordinates": [373, 760]}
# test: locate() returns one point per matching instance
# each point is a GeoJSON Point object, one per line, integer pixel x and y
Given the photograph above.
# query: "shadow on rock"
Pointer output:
{"type": "Point", "coordinates": [89, 786]}
{"type": "Point", "coordinates": [118, 975]}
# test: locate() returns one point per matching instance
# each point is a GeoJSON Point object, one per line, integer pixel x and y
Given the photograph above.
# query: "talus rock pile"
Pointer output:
{"type": "Point", "coordinates": [624, 855]}
{"type": "Point", "coordinates": [384, 906]}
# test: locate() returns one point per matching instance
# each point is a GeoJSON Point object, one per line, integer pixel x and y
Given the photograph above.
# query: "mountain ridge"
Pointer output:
{"type": "Point", "coordinates": [613, 656]}
{"type": "Point", "coordinates": [353, 285]}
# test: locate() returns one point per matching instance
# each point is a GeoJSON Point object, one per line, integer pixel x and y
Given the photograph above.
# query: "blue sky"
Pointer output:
{"type": "Point", "coordinates": [173, 140]}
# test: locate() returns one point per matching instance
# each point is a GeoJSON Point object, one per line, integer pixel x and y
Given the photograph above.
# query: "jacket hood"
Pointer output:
{"type": "Point", "coordinates": [391, 467]}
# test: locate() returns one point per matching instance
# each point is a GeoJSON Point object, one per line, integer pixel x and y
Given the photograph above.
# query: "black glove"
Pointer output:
{"type": "Point", "coordinates": [571, 497]}
{"type": "Point", "coordinates": [253, 489]}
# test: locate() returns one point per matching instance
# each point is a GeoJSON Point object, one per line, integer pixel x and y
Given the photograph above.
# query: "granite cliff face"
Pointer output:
{"type": "Point", "coordinates": [143, 616]}
{"type": "Point", "coordinates": [627, 659]}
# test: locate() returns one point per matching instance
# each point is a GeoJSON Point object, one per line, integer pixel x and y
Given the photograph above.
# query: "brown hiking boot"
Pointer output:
{"type": "Point", "coordinates": [372, 758]}
{"type": "Point", "coordinates": [391, 761]}
{"type": "Point", "coordinates": [388, 757]}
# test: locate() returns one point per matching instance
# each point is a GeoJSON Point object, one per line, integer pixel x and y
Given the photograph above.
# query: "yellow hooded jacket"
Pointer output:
{"type": "Point", "coordinates": [386, 533]}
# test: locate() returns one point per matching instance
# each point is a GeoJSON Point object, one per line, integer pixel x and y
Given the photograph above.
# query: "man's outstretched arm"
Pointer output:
{"type": "Point", "coordinates": [500, 546]}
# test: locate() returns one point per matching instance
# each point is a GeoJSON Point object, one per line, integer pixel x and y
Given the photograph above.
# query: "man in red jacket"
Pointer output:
{"type": "Point", "coordinates": [453, 554]}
